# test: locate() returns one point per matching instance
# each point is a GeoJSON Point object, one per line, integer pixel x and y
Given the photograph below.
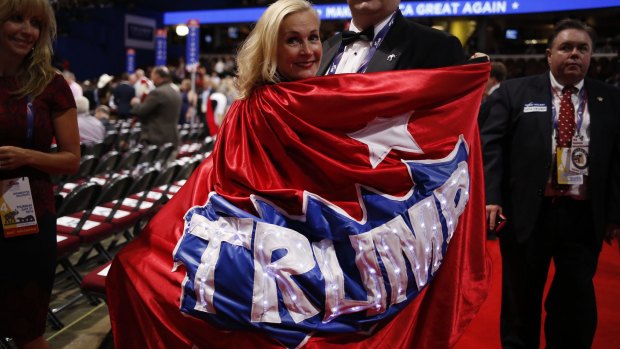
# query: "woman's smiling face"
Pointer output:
{"type": "Point", "coordinates": [299, 46]}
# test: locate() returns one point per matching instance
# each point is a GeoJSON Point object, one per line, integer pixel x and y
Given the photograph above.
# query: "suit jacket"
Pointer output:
{"type": "Point", "coordinates": [414, 46]}
{"type": "Point", "coordinates": [123, 93]}
{"type": "Point", "coordinates": [159, 115]}
{"type": "Point", "coordinates": [517, 150]}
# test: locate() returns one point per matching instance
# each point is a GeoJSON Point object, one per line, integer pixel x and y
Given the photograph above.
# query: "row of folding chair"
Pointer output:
{"type": "Point", "coordinates": [114, 162]}
{"type": "Point", "coordinates": [113, 140]}
{"type": "Point", "coordinates": [194, 148]}
{"type": "Point", "coordinates": [93, 284]}
{"type": "Point", "coordinates": [127, 133]}
{"type": "Point", "coordinates": [91, 213]}
{"type": "Point", "coordinates": [95, 212]}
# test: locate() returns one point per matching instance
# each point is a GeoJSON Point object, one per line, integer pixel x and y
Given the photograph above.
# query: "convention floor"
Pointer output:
{"type": "Point", "coordinates": [87, 326]}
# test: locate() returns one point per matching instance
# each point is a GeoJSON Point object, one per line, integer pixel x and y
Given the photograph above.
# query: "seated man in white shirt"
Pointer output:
{"type": "Point", "coordinates": [91, 129]}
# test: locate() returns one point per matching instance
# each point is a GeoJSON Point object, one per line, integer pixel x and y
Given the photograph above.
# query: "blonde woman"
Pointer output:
{"type": "Point", "coordinates": [293, 54]}
{"type": "Point", "coordinates": [36, 108]}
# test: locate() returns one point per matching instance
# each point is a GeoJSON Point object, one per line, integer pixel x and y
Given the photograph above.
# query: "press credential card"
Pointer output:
{"type": "Point", "coordinates": [17, 208]}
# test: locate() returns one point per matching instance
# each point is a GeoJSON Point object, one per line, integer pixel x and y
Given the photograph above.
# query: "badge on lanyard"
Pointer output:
{"type": "Point", "coordinates": [565, 175]}
{"type": "Point", "coordinates": [579, 156]}
{"type": "Point", "coordinates": [17, 208]}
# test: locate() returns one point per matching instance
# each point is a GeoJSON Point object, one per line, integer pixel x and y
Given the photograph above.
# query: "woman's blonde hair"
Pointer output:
{"type": "Point", "coordinates": [36, 70]}
{"type": "Point", "coordinates": [257, 57]}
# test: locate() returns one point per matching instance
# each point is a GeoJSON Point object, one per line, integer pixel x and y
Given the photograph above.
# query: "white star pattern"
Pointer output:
{"type": "Point", "coordinates": [566, 120]}
{"type": "Point", "coordinates": [515, 5]}
{"type": "Point", "coordinates": [381, 135]}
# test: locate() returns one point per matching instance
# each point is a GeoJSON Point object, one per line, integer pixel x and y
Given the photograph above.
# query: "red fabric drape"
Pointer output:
{"type": "Point", "coordinates": [290, 138]}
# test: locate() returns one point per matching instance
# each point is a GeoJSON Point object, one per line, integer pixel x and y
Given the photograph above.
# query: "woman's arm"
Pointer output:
{"type": "Point", "coordinates": [66, 160]}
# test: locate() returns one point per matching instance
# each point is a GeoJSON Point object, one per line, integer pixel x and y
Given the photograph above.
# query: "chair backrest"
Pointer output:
{"type": "Point", "coordinates": [166, 176]}
{"type": "Point", "coordinates": [207, 145]}
{"type": "Point", "coordinates": [163, 155]}
{"type": "Point", "coordinates": [87, 167]}
{"type": "Point", "coordinates": [122, 141]}
{"type": "Point", "coordinates": [186, 170]}
{"type": "Point", "coordinates": [58, 199]}
{"type": "Point", "coordinates": [134, 136]}
{"type": "Point", "coordinates": [149, 153]}
{"type": "Point", "coordinates": [194, 135]}
{"type": "Point", "coordinates": [184, 135]}
{"type": "Point", "coordinates": [129, 159]}
{"type": "Point", "coordinates": [97, 149]}
{"type": "Point", "coordinates": [110, 139]}
{"type": "Point", "coordinates": [81, 198]}
{"type": "Point", "coordinates": [107, 163]}
{"type": "Point", "coordinates": [115, 189]}
{"type": "Point", "coordinates": [144, 181]}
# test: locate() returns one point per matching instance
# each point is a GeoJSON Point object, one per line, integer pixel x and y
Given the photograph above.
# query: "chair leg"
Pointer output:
{"type": "Point", "coordinates": [56, 323]}
{"type": "Point", "coordinates": [84, 256]}
{"type": "Point", "coordinates": [102, 251]}
{"type": "Point", "coordinates": [113, 244]}
{"type": "Point", "coordinates": [75, 276]}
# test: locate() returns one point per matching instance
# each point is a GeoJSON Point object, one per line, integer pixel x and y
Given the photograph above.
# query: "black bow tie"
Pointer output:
{"type": "Point", "coordinates": [349, 37]}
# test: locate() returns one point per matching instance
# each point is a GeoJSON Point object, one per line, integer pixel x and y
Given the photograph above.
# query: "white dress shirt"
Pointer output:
{"type": "Point", "coordinates": [576, 191]}
{"type": "Point", "coordinates": [354, 54]}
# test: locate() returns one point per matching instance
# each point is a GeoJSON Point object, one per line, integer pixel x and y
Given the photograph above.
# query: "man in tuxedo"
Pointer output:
{"type": "Point", "coordinates": [551, 146]}
{"type": "Point", "coordinates": [387, 41]}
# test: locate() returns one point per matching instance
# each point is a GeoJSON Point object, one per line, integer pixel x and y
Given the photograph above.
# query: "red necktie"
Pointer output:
{"type": "Point", "coordinates": [566, 119]}
{"type": "Point", "coordinates": [566, 128]}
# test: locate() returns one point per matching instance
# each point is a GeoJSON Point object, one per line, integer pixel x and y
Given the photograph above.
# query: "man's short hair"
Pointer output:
{"type": "Point", "coordinates": [103, 108]}
{"type": "Point", "coordinates": [82, 104]}
{"type": "Point", "coordinates": [498, 71]}
{"type": "Point", "coordinates": [569, 23]}
{"type": "Point", "coordinates": [163, 72]}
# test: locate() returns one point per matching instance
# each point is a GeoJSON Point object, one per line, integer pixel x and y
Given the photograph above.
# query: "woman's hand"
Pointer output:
{"type": "Point", "coordinates": [13, 157]}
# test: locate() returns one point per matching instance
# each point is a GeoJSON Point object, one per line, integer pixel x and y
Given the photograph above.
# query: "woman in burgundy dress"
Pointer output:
{"type": "Point", "coordinates": [36, 108]}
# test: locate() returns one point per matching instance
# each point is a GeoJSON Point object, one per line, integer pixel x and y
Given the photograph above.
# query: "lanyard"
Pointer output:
{"type": "Point", "coordinates": [582, 101]}
{"type": "Point", "coordinates": [29, 121]}
{"type": "Point", "coordinates": [373, 48]}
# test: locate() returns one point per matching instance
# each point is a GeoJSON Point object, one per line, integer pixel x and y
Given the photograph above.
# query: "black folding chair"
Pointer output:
{"type": "Point", "coordinates": [107, 164]}
{"type": "Point", "coordinates": [162, 183]}
{"type": "Point", "coordinates": [129, 160]}
{"type": "Point", "coordinates": [110, 140]}
{"type": "Point", "coordinates": [148, 154]}
{"type": "Point", "coordinates": [163, 155]}
{"type": "Point", "coordinates": [133, 202]}
{"type": "Point", "coordinates": [87, 166]}
{"type": "Point", "coordinates": [114, 190]}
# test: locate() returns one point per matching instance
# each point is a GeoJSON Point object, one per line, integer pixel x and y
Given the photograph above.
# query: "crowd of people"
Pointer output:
{"type": "Point", "coordinates": [114, 97]}
{"type": "Point", "coordinates": [550, 146]}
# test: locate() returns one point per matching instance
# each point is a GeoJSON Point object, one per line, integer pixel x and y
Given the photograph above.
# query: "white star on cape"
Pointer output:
{"type": "Point", "coordinates": [381, 135]}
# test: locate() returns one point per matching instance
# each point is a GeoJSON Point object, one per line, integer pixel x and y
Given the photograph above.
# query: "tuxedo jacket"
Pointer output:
{"type": "Point", "coordinates": [159, 115]}
{"type": "Point", "coordinates": [407, 45]}
{"type": "Point", "coordinates": [517, 150]}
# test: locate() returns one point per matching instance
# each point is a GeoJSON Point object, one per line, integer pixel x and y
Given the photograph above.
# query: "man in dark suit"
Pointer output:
{"type": "Point", "coordinates": [123, 93]}
{"type": "Point", "coordinates": [389, 42]}
{"type": "Point", "coordinates": [159, 113]}
{"type": "Point", "coordinates": [556, 207]}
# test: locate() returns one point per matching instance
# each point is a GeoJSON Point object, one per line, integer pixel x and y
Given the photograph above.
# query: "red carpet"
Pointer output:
{"type": "Point", "coordinates": [484, 329]}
